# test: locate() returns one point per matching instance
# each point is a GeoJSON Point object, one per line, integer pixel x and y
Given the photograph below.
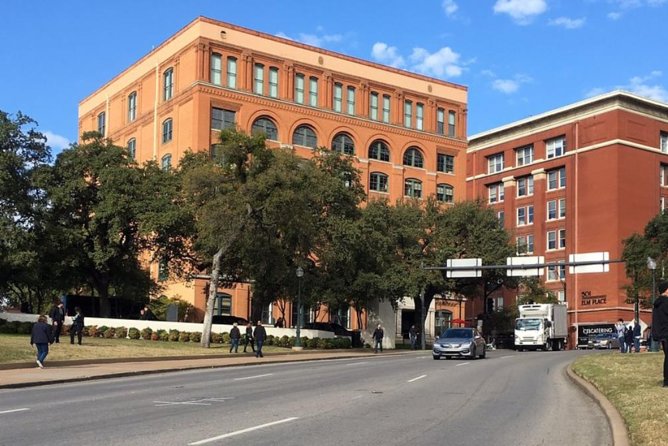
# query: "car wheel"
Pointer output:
{"type": "Point", "coordinates": [474, 354]}
{"type": "Point", "coordinates": [437, 357]}
{"type": "Point", "coordinates": [484, 353]}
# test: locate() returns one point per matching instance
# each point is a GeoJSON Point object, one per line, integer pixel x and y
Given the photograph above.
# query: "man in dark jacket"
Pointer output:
{"type": "Point", "coordinates": [660, 326]}
{"type": "Point", "coordinates": [235, 335]}
{"type": "Point", "coordinates": [260, 335]}
{"type": "Point", "coordinates": [57, 315]}
{"type": "Point", "coordinates": [77, 325]}
{"type": "Point", "coordinates": [41, 337]}
{"type": "Point", "coordinates": [378, 335]}
{"type": "Point", "coordinates": [248, 339]}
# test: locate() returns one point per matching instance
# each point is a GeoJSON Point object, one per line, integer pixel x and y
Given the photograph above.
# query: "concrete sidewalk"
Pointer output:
{"type": "Point", "coordinates": [28, 374]}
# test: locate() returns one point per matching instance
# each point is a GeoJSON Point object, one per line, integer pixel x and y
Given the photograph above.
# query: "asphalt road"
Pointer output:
{"type": "Point", "coordinates": [510, 398]}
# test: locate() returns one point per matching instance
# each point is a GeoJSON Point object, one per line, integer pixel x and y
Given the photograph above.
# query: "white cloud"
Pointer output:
{"type": "Point", "coordinates": [521, 11]}
{"type": "Point", "coordinates": [645, 86]}
{"type": "Point", "coordinates": [314, 39]}
{"type": "Point", "coordinates": [568, 23]}
{"type": "Point", "coordinates": [55, 141]}
{"type": "Point", "coordinates": [625, 5]}
{"type": "Point", "coordinates": [443, 62]}
{"type": "Point", "coordinates": [510, 86]}
{"type": "Point", "coordinates": [614, 15]}
{"type": "Point", "coordinates": [450, 7]}
{"type": "Point", "coordinates": [388, 55]}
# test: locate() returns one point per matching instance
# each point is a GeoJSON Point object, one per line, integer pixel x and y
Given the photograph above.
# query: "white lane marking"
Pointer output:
{"type": "Point", "coordinates": [253, 377]}
{"type": "Point", "coordinates": [463, 363]}
{"type": "Point", "coordinates": [14, 410]}
{"type": "Point", "coordinates": [243, 431]}
{"type": "Point", "coordinates": [358, 363]}
{"type": "Point", "coordinates": [201, 402]}
{"type": "Point", "coordinates": [415, 379]}
{"type": "Point", "coordinates": [507, 356]}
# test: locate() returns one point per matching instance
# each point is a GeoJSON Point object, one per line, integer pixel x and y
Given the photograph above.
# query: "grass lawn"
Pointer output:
{"type": "Point", "coordinates": [16, 348]}
{"type": "Point", "coordinates": [633, 384]}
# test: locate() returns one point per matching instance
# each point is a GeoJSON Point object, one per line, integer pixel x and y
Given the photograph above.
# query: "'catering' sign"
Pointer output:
{"type": "Point", "coordinates": [587, 331]}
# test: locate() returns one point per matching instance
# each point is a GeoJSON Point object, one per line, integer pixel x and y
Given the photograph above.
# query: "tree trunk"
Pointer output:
{"type": "Point", "coordinates": [213, 289]}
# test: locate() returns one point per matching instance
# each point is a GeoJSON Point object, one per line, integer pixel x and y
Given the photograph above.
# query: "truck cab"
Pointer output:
{"type": "Point", "coordinates": [541, 326]}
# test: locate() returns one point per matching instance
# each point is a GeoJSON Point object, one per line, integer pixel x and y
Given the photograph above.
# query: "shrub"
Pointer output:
{"type": "Point", "coordinates": [311, 343]}
{"type": "Point", "coordinates": [110, 333]}
{"type": "Point", "coordinates": [173, 335]}
{"type": "Point", "coordinates": [226, 338]}
{"type": "Point", "coordinates": [134, 333]}
{"type": "Point", "coordinates": [155, 336]}
{"type": "Point", "coordinates": [271, 340]}
{"type": "Point", "coordinates": [304, 341]}
{"type": "Point", "coordinates": [283, 341]}
{"type": "Point", "coordinates": [216, 338]}
{"type": "Point", "coordinates": [184, 336]}
{"type": "Point", "coordinates": [195, 337]}
{"type": "Point", "coordinates": [163, 335]}
{"type": "Point", "coordinates": [24, 328]}
{"type": "Point", "coordinates": [322, 343]}
{"type": "Point", "coordinates": [121, 332]}
{"type": "Point", "coordinates": [146, 333]}
{"type": "Point", "coordinates": [101, 331]}
{"type": "Point", "coordinates": [8, 328]}
{"type": "Point", "coordinates": [92, 331]}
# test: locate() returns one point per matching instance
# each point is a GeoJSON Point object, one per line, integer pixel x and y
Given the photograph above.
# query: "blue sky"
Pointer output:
{"type": "Point", "coordinates": [517, 57]}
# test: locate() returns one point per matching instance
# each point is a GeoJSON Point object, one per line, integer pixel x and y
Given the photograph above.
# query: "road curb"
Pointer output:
{"type": "Point", "coordinates": [620, 435]}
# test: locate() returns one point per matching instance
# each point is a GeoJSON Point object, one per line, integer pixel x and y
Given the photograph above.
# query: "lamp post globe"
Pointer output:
{"type": "Point", "coordinates": [300, 274]}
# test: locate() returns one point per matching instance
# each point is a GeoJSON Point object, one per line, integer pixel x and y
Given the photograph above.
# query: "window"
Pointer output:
{"type": "Point", "coordinates": [495, 192]}
{"type": "Point", "coordinates": [273, 82]}
{"type": "Point", "coordinates": [222, 304]}
{"type": "Point", "coordinates": [525, 244]}
{"type": "Point", "coordinates": [408, 114]}
{"type": "Point", "coordinates": [338, 97]}
{"type": "Point", "coordinates": [413, 188]}
{"type": "Point", "coordinates": [445, 163]}
{"type": "Point", "coordinates": [525, 216]}
{"type": "Point", "coordinates": [163, 270]}
{"type": "Point", "coordinates": [440, 121]}
{"type": "Point", "coordinates": [304, 136]}
{"type": "Point", "coordinates": [419, 116]}
{"type": "Point", "coordinates": [525, 186]}
{"type": "Point", "coordinates": [232, 72]}
{"type": "Point", "coordinates": [132, 106]}
{"type": "Point", "coordinates": [378, 182]}
{"type": "Point", "coordinates": [663, 142]}
{"type": "Point", "coordinates": [258, 79]}
{"type": "Point", "coordinates": [166, 162]}
{"type": "Point", "coordinates": [222, 119]}
{"type": "Point", "coordinates": [445, 193]}
{"type": "Point", "coordinates": [556, 239]}
{"type": "Point", "coordinates": [167, 130]}
{"type": "Point", "coordinates": [266, 126]}
{"type": "Point", "coordinates": [373, 106]}
{"type": "Point", "coordinates": [555, 147]}
{"type": "Point", "coordinates": [168, 84]}
{"type": "Point", "coordinates": [556, 179]}
{"type": "Point", "coordinates": [663, 175]}
{"type": "Point", "coordinates": [386, 108]}
{"type": "Point", "coordinates": [132, 148]}
{"type": "Point", "coordinates": [351, 100]}
{"type": "Point", "coordinates": [313, 92]}
{"type": "Point", "coordinates": [413, 157]}
{"type": "Point", "coordinates": [501, 216]}
{"type": "Point", "coordinates": [102, 123]}
{"type": "Point", "coordinates": [216, 75]}
{"type": "Point", "coordinates": [562, 238]}
{"type": "Point", "coordinates": [556, 272]}
{"type": "Point", "coordinates": [378, 150]}
{"type": "Point", "coordinates": [299, 88]}
{"type": "Point", "coordinates": [556, 209]}
{"type": "Point", "coordinates": [495, 163]}
{"type": "Point", "coordinates": [452, 117]}
{"type": "Point", "coordinates": [524, 155]}
{"type": "Point", "coordinates": [343, 143]}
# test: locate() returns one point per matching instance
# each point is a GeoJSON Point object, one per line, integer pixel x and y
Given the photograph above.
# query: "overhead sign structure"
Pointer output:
{"type": "Point", "coordinates": [461, 266]}
{"type": "Point", "coordinates": [531, 262]}
{"type": "Point", "coordinates": [589, 262]}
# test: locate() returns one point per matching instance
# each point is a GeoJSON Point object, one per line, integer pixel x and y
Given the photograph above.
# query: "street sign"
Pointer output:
{"type": "Point", "coordinates": [589, 262]}
{"type": "Point", "coordinates": [530, 271]}
{"type": "Point", "coordinates": [461, 265]}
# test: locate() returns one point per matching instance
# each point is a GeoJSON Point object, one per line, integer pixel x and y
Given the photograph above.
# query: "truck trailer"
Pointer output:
{"type": "Point", "coordinates": [541, 326]}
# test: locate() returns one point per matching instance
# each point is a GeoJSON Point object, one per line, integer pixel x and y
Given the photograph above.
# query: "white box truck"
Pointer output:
{"type": "Point", "coordinates": [541, 326]}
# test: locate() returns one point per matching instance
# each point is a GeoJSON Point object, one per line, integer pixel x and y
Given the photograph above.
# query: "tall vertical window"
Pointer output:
{"type": "Point", "coordinates": [163, 270]}
{"type": "Point", "coordinates": [351, 100]}
{"type": "Point", "coordinates": [562, 238]}
{"type": "Point", "coordinates": [556, 209]}
{"type": "Point", "coordinates": [258, 79]}
{"type": "Point", "coordinates": [413, 188]}
{"type": "Point", "coordinates": [663, 175]}
{"type": "Point", "coordinates": [166, 162]}
{"type": "Point", "coordinates": [524, 155]}
{"type": "Point", "coordinates": [445, 163]}
{"type": "Point", "coordinates": [386, 108]}
{"type": "Point", "coordinates": [452, 120]}
{"type": "Point", "coordinates": [338, 97]}
{"type": "Point", "coordinates": [168, 84]}
{"type": "Point", "coordinates": [313, 91]}
{"type": "Point", "coordinates": [525, 186]}
{"type": "Point", "coordinates": [232, 72]}
{"type": "Point", "coordinates": [556, 272]}
{"type": "Point", "coordinates": [496, 192]}
{"type": "Point", "coordinates": [495, 163]}
{"type": "Point", "coordinates": [440, 121]}
{"type": "Point", "coordinates": [222, 119]}
{"type": "Point", "coordinates": [445, 193]}
{"type": "Point", "coordinates": [299, 88]}
{"type": "Point", "coordinates": [556, 179]}
{"type": "Point", "coordinates": [419, 116]}
{"type": "Point", "coordinates": [373, 106]}
{"type": "Point", "coordinates": [501, 217]}
{"type": "Point", "coordinates": [663, 142]}
{"type": "Point", "coordinates": [132, 148]}
{"type": "Point", "coordinates": [525, 244]}
{"type": "Point", "coordinates": [102, 123]}
{"type": "Point", "coordinates": [408, 113]}
{"type": "Point", "coordinates": [556, 239]}
{"type": "Point", "coordinates": [555, 147]}
{"type": "Point", "coordinates": [167, 130]}
{"type": "Point", "coordinates": [273, 82]}
{"type": "Point", "coordinates": [216, 75]}
{"type": "Point", "coordinates": [132, 106]}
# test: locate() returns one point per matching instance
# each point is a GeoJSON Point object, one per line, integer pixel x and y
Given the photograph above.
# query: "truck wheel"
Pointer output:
{"type": "Point", "coordinates": [546, 346]}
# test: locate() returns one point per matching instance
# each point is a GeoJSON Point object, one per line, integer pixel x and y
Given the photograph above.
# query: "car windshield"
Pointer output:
{"type": "Point", "coordinates": [527, 324]}
{"type": "Point", "coordinates": [458, 333]}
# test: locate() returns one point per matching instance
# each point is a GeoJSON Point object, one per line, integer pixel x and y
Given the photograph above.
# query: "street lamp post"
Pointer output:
{"type": "Point", "coordinates": [651, 264]}
{"type": "Point", "coordinates": [300, 274]}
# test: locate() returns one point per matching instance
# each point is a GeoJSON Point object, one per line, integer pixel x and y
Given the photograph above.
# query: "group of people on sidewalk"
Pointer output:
{"type": "Point", "coordinates": [253, 337]}
{"type": "Point", "coordinates": [43, 334]}
{"type": "Point", "coordinates": [629, 336]}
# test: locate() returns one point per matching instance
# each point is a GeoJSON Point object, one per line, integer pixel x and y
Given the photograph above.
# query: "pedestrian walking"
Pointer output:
{"type": "Point", "coordinates": [647, 337]}
{"type": "Point", "coordinates": [235, 335]}
{"type": "Point", "coordinates": [412, 336]}
{"type": "Point", "coordinates": [628, 339]}
{"type": "Point", "coordinates": [620, 327]}
{"type": "Point", "coordinates": [660, 326]}
{"type": "Point", "coordinates": [636, 336]}
{"type": "Point", "coordinates": [378, 335]}
{"type": "Point", "coordinates": [41, 337]}
{"type": "Point", "coordinates": [77, 325]}
{"type": "Point", "coordinates": [260, 334]}
{"type": "Point", "coordinates": [57, 315]}
{"type": "Point", "coordinates": [248, 338]}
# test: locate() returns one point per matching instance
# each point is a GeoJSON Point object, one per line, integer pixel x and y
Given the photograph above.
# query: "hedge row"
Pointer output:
{"type": "Point", "coordinates": [17, 327]}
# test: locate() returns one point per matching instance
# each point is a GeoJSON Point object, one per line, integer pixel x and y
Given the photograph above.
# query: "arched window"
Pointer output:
{"type": "Point", "coordinates": [378, 182]}
{"type": "Point", "coordinates": [166, 162]}
{"type": "Point", "coordinates": [167, 130]}
{"type": "Point", "coordinates": [343, 143]}
{"type": "Point", "coordinates": [304, 136]}
{"type": "Point", "coordinates": [132, 148]}
{"type": "Point", "coordinates": [413, 188]}
{"type": "Point", "coordinates": [266, 126]}
{"type": "Point", "coordinates": [413, 157]}
{"type": "Point", "coordinates": [445, 193]}
{"type": "Point", "coordinates": [378, 150]}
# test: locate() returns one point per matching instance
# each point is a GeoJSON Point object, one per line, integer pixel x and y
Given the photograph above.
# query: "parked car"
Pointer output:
{"type": "Point", "coordinates": [605, 340]}
{"type": "Point", "coordinates": [228, 320]}
{"type": "Point", "coordinates": [460, 342]}
{"type": "Point", "coordinates": [338, 329]}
